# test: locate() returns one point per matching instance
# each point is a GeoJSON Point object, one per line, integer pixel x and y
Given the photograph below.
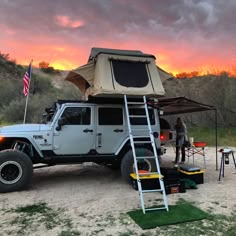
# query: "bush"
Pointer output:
{"type": "Point", "coordinates": [14, 112]}
{"type": "Point", "coordinates": [50, 70]}
{"type": "Point", "coordinates": [40, 85]}
{"type": "Point", "coordinates": [42, 95]}
{"type": "Point", "coordinates": [10, 90]}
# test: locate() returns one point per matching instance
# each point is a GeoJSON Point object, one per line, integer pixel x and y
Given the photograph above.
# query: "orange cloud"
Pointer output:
{"type": "Point", "coordinates": [65, 21]}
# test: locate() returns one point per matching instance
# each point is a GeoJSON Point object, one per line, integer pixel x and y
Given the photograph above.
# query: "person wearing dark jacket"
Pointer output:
{"type": "Point", "coordinates": [181, 138]}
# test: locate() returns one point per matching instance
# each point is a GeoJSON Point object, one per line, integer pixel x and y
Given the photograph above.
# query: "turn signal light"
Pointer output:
{"type": "Point", "coordinates": [1, 138]}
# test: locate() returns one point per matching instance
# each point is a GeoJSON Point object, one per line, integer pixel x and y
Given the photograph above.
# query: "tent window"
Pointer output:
{"type": "Point", "coordinates": [130, 74]}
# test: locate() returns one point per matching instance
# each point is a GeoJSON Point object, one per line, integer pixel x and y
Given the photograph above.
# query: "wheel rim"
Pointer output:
{"type": "Point", "coordinates": [144, 165]}
{"type": "Point", "coordinates": [10, 172]}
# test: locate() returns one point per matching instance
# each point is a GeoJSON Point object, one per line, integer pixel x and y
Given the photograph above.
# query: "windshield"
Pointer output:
{"type": "Point", "coordinates": [49, 113]}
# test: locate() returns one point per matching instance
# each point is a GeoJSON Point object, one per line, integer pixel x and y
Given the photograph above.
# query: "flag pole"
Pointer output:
{"type": "Point", "coordinates": [26, 105]}
{"type": "Point", "coordinates": [27, 98]}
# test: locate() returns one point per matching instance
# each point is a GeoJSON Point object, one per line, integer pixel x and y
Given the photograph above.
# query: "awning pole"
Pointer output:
{"type": "Point", "coordinates": [216, 139]}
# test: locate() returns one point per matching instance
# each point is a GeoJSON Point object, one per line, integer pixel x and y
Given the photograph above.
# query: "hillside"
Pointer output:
{"type": "Point", "coordinates": [45, 88]}
{"type": "Point", "coordinates": [219, 91]}
{"type": "Point", "coordinates": [58, 79]}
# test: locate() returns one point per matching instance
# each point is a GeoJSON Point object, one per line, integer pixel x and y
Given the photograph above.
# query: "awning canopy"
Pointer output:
{"type": "Point", "coordinates": [179, 105]}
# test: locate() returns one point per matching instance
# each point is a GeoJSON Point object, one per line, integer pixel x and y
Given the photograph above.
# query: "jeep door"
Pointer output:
{"type": "Point", "coordinates": [76, 135]}
{"type": "Point", "coordinates": [111, 130]}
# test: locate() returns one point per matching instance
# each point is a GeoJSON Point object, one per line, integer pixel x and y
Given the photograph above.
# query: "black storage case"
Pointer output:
{"type": "Point", "coordinates": [175, 188]}
{"type": "Point", "coordinates": [171, 176]}
{"type": "Point", "coordinates": [197, 176]}
{"type": "Point", "coordinates": [147, 184]}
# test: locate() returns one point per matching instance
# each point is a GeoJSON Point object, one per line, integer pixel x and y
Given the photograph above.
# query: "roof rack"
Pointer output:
{"type": "Point", "coordinates": [103, 100]}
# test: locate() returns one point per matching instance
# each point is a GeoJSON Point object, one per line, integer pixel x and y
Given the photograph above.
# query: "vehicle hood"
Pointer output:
{"type": "Point", "coordinates": [24, 128]}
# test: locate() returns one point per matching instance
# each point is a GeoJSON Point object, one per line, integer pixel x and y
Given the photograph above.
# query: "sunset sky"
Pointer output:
{"type": "Point", "coordinates": [184, 35]}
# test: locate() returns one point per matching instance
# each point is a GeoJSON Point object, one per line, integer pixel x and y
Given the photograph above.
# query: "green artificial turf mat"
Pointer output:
{"type": "Point", "coordinates": [177, 214]}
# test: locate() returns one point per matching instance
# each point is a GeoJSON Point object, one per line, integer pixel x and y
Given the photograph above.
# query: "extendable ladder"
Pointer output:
{"type": "Point", "coordinates": [134, 143]}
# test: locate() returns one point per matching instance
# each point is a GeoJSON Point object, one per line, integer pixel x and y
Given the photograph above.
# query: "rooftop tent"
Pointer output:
{"type": "Point", "coordinates": [117, 72]}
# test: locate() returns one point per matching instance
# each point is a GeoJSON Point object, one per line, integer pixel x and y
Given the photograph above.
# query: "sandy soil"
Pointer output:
{"type": "Point", "coordinates": [96, 199]}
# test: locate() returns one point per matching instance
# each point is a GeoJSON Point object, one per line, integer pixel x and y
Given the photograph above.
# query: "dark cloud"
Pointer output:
{"type": "Point", "coordinates": [196, 26]}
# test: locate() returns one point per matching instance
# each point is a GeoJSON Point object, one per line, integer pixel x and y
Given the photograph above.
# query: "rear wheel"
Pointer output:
{"type": "Point", "coordinates": [16, 170]}
{"type": "Point", "coordinates": [127, 163]}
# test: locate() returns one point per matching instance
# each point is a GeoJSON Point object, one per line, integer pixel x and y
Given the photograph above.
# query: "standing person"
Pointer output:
{"type": "Point", "coordinates": [181, 138]}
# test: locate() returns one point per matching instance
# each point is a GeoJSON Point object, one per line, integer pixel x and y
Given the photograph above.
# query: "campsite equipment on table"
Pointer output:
{"type": "Point", "coordinates": [134, 141]}
{"type": "Point", "coordinates": [226, 152]}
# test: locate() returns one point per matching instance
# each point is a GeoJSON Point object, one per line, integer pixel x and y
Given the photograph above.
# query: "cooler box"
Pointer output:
{"type": "Point", "coordinates": [196, 176]}
{"type": "Point", "coordinates": [148, 181]}
{"type": "Point", "coordinates": [151, 181]}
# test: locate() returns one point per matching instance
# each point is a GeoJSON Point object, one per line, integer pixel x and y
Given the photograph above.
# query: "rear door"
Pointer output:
{"type": "Point", "coordinates": [111, 130]}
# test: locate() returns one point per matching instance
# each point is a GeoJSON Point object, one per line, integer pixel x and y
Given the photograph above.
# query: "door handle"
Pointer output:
{"type": "Point", "coordinates": [118, 130]}
{"type": "Point", "coordinates": [87, 130]}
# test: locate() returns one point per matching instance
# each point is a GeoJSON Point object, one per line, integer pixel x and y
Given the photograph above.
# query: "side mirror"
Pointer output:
{"type": "Point", "coordinates": [60, 123]}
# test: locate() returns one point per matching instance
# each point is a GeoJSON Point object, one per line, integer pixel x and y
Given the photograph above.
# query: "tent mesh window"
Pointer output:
{"type": "Point", "coordinates": [130, 73]}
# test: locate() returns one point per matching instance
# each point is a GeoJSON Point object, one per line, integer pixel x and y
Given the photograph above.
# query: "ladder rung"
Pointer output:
{"type": "Point", "coordinates": [152, 190]}
{"type": "Point", "coordinates": [140, 136]}
{"type": "Point", "coordinates": [142, 141]}
{"type": "Point", "coordinates": [136, 103]}
{"type": "Point", "coordinates": [148, 173]}
{"type": "Point", "coordinates": [138, 116]}
{"type": "Point", "coordinates": [146, 157]}
{"type": "Point", "coordinates": [156, 208]}
{"type": "Point", "coordinates": [140, 130]}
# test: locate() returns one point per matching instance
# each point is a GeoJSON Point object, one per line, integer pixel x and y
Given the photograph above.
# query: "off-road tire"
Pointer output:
{"type": "Point", "coordinates": [16, 171]}
{"type": "Point", "coordinates": [127, 163]}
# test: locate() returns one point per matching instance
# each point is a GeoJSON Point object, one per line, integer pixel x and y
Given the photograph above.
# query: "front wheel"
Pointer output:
{"type": "Point", "coordinates": [127, 163]}
{"type": "Point", "coordinates": [16, 171]}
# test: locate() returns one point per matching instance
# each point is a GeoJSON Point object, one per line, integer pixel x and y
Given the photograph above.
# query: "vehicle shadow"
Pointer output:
{"type": "Point", "coordinates": [81, 174]}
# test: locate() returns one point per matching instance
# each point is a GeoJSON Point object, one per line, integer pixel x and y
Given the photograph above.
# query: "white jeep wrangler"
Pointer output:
{"type": "Point", "coordinates": [74, 132]}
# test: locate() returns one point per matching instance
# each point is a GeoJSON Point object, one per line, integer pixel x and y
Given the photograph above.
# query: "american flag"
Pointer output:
{"type": "Point", "coordinates": [26, 80]}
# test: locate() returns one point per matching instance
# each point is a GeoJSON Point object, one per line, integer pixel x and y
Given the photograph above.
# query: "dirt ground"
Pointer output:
{"type": "Point", "coordinates": [95, 199]}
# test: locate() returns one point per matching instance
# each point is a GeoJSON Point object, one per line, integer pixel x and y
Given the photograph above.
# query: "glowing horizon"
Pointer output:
{"type": "Point", "coordinates": [70, 65]}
